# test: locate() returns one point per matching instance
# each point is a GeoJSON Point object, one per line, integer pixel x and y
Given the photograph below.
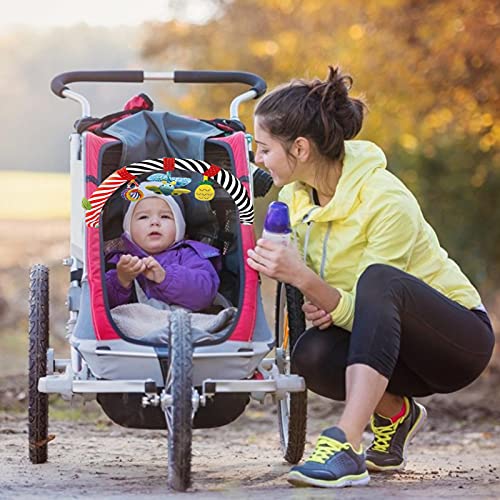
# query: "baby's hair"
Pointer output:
{"type": "Point", "coordinates": [321, 111]}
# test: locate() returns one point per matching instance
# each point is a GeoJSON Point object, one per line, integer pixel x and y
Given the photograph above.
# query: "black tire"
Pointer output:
{"type": "Point", "coordinates": [179, 416]}
{"type": "Point", "coordinates": [292, 410]}
{"type": "Point", "coordinates": [38, 403]}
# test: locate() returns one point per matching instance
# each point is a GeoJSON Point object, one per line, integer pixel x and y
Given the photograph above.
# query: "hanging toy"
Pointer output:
{"type": "Point", "coordinates": [132, 192]}
{"type": "Point", "coordinates": [169, 185]}
{"type": "Point", "coordinates": [86, 204]}
{"type": "Point", "coordinates": [205, 190]}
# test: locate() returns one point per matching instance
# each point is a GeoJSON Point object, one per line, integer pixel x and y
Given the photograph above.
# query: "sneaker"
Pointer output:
{"type": "Point", "coordinates": [333, 464]}
{"type": "Point", "coordinates": [388, 449]}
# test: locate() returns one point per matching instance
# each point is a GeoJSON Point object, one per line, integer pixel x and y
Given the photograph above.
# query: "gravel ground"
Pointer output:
{"type": "Point", "coordinates": [456, 455]}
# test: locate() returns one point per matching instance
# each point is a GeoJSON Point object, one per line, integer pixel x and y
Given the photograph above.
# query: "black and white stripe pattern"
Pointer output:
{"type": "Point", "coordinates": [224, 178]}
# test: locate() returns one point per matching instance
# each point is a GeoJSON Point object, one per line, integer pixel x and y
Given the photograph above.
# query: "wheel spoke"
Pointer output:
{"type": "Point", "coordinates": [169, 416]}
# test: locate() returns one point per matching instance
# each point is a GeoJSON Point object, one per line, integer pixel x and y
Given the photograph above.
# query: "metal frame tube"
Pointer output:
{"type": "Point", "coordinates": [235, 103]}
{"type": "Point", "coordinates": [153, 355]}
{"type": "Point", "coordinates": [158, 75]}
{"type": "Point", "coordinates": [79, 98]}
{"type": "Point", "coordinates": [65, 383]}
{"type": "Point", "coordinates": [165, 76]}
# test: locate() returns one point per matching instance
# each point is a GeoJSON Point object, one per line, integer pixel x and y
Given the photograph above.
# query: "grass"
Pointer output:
{"type": "Point", "coordinates": [14, 352]}
{"type": "Point", "coordinates": [34, 195]}
{"type": "Point", "coordinates": [77, 410]}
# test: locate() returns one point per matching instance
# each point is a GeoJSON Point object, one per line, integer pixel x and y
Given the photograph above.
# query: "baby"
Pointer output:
{"type": "Point", "coordinates": [165, 266]}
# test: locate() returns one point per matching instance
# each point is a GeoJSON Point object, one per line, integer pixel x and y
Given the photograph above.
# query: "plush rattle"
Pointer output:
{"type": "Point", "coordinates": [205, 190]}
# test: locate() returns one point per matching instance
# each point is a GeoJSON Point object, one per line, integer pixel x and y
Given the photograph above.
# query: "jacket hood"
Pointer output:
{"type": "Point", "coordinates": [362, 159]}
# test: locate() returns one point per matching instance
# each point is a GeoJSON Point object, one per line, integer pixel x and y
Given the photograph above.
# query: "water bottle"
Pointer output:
{"type": "Point", "coordinates": [277, 223]}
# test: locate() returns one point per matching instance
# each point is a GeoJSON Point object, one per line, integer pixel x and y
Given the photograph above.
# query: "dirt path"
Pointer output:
{"type": "Point", "coordinates": [458, 455]}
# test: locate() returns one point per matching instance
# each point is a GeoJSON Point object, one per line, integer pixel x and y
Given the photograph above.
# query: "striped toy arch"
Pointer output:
{"type": "Point", "coordinates": [224, 178]}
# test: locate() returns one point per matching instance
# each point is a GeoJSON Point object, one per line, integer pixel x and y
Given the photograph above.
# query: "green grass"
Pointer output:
{"type": "Point", "coordinates": [34, 195]}
{"type": "Point", "coordinates": [77, 410]}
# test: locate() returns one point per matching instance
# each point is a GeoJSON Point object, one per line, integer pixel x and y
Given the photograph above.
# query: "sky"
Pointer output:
{"type": "Point", "coordinates": [49, 13]}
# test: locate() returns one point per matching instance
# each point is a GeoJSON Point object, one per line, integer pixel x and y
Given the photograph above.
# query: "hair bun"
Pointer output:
{"type": "Point", "coordinates": [336, 106]}
{"type": "Point", "coordinates": [335, 86]}
{"type": "Point", "coordinates": [321, 110]}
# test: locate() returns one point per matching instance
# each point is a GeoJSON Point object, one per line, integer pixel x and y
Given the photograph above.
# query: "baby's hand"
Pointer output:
{"type": "Point", "coordinates": [153, 270]}
{"type": "Point", "coordinates": [128, 268]}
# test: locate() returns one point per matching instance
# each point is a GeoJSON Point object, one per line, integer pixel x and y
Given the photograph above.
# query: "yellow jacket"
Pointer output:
{"type": "Point", "coordinates": [372, 218]}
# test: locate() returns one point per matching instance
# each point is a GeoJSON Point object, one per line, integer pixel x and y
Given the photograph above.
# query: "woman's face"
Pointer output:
{"type": "Point", "coordinates": [271, 153]}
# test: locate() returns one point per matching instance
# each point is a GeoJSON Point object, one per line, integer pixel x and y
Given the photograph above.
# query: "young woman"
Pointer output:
{"type": "Point", "coordinates": [393, 316]}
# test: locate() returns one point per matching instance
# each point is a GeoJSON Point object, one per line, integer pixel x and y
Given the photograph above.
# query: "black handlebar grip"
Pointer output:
{"type": "Point", "coordinates": [206, 76]}
{"type": "Point", "coordinates": [262, 183]}
{"type": "Point", "coordinates": [59, 82]}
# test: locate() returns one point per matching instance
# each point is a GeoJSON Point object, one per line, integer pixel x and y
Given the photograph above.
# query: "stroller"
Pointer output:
{"type": "Point", "coordinates": [187, 382]}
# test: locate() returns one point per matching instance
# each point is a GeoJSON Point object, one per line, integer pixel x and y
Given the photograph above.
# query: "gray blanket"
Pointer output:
{"type": "Point", "coordinates": [152, 323]}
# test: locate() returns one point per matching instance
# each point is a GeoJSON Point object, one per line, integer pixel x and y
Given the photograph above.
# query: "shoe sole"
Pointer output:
{"type": "Point", "coordinates": [372, 467]}
{"type": "Point", "coordinates": [297, 479]}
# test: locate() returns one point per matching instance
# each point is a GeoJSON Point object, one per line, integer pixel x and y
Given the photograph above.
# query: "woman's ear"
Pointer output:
{"type": "Point", "coordinates": [301, 149]}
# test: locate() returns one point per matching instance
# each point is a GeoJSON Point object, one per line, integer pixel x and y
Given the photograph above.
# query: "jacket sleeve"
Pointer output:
{"type": "Point", "coordinates": [391, 233]}
{"type": "Point", "coordinates": [117, 294]}
{"type": "Point", "coordinates": [193, 283]}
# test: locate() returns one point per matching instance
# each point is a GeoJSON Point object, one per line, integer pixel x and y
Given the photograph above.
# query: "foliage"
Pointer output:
{"type": "Point", "coordinates": [462, 210]}
{"type": "Point", "coordinates": [428, 69]}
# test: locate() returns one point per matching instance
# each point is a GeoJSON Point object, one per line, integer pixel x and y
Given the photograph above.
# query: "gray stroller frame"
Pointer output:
{"type": "Point", "coordinates": [178, 382]}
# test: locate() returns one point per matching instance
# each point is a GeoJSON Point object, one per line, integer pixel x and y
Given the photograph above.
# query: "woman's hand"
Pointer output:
{"type": "Point", "coordinates": [319, 318]}
{"type": "Point", "coordinates": [128, 268]}
{"type": "Point", "coordinates": [153, 270]}
{"type": "Point", "coordinates": [277, 261]}
{"type": "Point", "coordinates": [285, 264]}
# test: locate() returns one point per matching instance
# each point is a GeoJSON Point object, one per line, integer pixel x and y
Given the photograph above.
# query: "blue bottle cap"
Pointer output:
{"type": "Point", "coordinates": [277, 218]}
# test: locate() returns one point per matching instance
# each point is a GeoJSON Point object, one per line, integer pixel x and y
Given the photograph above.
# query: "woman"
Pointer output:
{"type": "Point", "coordinates": [393, 316]}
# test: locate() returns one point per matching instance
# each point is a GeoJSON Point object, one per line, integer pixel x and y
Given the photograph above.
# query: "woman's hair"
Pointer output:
{"type": "Point", "coordinates": [320, 111]}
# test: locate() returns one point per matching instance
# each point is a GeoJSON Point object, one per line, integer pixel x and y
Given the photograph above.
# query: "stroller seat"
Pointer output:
{"type": "Point", "coordinates": [111, 356]}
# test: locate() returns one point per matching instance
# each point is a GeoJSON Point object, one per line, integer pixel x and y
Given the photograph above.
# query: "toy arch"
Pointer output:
{"type": "Point", "coordinates": [224, 178]}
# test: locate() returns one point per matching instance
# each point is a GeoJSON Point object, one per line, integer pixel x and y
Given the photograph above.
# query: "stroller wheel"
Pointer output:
{"type": "Point", "coordinates": [38, 403]}
{"type": "Point", "coordinates": [292, 410]}
{"type": "Point", "coordinates": [179, 413]}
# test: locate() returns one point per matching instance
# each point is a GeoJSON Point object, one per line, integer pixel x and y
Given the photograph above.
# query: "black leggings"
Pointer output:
{"type": "Point", "coordinates": [409, 332]}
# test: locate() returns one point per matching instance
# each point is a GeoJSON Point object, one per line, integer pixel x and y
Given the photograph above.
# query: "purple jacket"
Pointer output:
{"type": "Point", "coordinates": [191, 280]}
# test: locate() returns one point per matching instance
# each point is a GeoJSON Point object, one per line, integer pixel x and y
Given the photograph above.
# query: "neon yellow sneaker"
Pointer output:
{"type": "Point", "coordinates": [333, 464]}
{"type": "Point", "coordinates": [388, 449]}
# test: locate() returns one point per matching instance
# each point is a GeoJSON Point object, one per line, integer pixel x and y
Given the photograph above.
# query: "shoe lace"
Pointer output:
{"type": "Point", "coordinates": [325, 448]}
{"type": "Point", "coordinates": [383, 436]}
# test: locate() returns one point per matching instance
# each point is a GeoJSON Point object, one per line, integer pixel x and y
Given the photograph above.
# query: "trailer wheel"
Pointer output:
{"type": "Point", "coordinates": [292, 410]}
{"type": "Point", "coordinates": [179, 414]}
{"type": "Point", "coordinates": [38, 403]}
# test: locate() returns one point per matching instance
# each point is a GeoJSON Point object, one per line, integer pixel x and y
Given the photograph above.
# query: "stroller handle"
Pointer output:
{"type": "Point", "coordinates": [58, 84]}
{"type": "Point", "coordinates": [207, 76]}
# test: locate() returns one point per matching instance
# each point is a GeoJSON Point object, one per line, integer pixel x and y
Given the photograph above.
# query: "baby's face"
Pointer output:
{"type": "Point", "coordinates": [153, 226]}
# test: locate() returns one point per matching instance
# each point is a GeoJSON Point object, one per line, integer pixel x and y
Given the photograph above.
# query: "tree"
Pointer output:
{"type": "Point", "coordinates": [428, 69]}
